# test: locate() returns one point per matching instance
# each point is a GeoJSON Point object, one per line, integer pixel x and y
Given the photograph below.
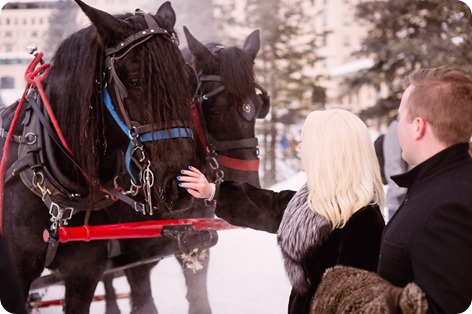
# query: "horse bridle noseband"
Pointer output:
{"type": "Point", "coordinates": [138, 167]}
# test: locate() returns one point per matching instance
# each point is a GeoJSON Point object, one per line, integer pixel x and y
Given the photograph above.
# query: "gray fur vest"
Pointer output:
{"type": "Point", "coordinates": [300, 232]}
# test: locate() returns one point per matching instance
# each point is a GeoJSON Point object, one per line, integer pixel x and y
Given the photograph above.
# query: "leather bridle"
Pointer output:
{"type": "Point", "coordinates": [137, 163]}
{"type": "Point", "coordinates": [214, 148]}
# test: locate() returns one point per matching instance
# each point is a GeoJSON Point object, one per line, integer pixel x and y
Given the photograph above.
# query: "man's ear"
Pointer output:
{"type": "Point", "coordinates": [421, 127]}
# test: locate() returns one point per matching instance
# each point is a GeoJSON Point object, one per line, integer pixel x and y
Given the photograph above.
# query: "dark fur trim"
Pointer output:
{"type": "Point", "coordinates": [301, 231]}
{"type": "Point", "coordinates": [345, 289]}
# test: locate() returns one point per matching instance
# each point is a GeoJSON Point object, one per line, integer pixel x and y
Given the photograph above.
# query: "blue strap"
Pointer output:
{"type": "Point", "coordinates": [114, 114]}
{"type": "Point", "coordinates": [149, 137]}
{"type": "Point", "coordinates": [144, 137]}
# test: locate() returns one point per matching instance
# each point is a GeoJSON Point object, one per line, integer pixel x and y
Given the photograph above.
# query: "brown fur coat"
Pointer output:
{"type": "Point", "coordinates": [346, 289]}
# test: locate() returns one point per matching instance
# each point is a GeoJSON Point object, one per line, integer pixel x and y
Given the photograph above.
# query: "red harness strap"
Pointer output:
{"type": "Point", "coordinates": [238, 164]}
{"type": "Point", "coordinates": [198, 126]}
{"type": "Point", "coordinates": [232, 163]}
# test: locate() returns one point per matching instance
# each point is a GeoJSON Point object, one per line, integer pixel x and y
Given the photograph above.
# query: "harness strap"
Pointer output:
{"type": "Point", "coordinates": [153, 29]}
{"type": "Point", "coordinates": [243, 143]}
{"type": "Point", "coordinates": [149, 137]}
{"type": "Point", "coordinates": [114, 114]}
{"type": "Point", "coordinates": [138, 206]}
{"type": "Point", "coordinates": [30, 160]}
{"type": "Point", "coordinates": [53, 135]}
{"type": "Point", "coordinates": [15, 138]}
{"type": "Point", "coordinates": [214, 92]}
{"type": "Point", "coordinates": [149, 128]}
{"type": "Point", "coordinates": [210, 78]}
{"type": "Point", "coordinates": [238, 164]}
{"type": "Point", "coordinates": [198, 125]}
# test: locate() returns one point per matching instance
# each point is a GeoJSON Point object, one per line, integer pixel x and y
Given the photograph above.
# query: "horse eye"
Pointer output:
{"type": "Point", "coordinates": [134, 82]}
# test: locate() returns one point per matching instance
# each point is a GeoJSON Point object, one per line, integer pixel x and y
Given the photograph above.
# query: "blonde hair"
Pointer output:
{"type": "Point", "coordinates": [343, 173]}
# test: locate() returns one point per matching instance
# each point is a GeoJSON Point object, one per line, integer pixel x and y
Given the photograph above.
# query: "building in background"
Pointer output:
{"type": "Point", "coordinates": [343, 35]}
{"type": "Point", "coordinates": [21, 23]}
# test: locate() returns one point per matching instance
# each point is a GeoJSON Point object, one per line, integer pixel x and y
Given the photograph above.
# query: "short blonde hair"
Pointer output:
{"type": "Point", "coordinates": [343, 173]}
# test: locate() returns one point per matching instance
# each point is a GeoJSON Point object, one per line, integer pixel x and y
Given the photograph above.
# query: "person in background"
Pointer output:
{"type": "Point", "coordinates": [378, 146]}
{"type": "Point", "coordinates": [429, 238]}
{"type": "Point", "coordinates": [333, 219]}
{"type": "Point", "coordinates": [393, 164]}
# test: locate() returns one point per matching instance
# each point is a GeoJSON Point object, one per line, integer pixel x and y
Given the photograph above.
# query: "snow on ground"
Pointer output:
{"type": "Point", "coordinates": [245, 275]}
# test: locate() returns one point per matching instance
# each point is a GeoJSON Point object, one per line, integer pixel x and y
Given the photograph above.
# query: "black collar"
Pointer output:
{"type": "Point", "coordinates": [435, 165]}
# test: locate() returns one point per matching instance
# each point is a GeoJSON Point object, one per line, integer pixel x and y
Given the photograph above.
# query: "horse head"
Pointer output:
{"type": "Point", "coordinates": [131, 99]}
{"type": "Point", "coordinates": [228, 103]}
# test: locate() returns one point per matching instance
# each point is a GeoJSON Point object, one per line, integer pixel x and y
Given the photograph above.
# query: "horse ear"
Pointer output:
{"type": "Point", "coordinates": [197, 48]}
{"type": "Point", "coordinates": [166, 16]}
{"type": "Point", "coordinates": [252, 44]}
{"type": "Point", "coordinates": [105, 23]}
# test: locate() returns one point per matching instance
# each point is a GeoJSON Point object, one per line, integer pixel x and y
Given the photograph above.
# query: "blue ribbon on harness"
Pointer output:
{"type": "Point", "coordinates": [166, 134]}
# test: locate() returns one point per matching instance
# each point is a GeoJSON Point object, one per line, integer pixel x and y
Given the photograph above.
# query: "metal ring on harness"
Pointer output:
{"type": "Point", "coordinates": [28, 139]}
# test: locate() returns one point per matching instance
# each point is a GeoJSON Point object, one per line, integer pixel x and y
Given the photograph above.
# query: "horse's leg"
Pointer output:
{"type": "Point", "coordinates": [80, 290]}
{"type": "Point", "coordinates": [110, 295]}
{"type": "Point", "coordinates": [28, 268]}
{"type": "Point", "coordinates": [196, 281]}
{"type": "Point", "coordinates": [82, 265]}
{"type": "Point", "coordinates": [139, 278]}
{"type": "Point", "coordinates": [22, 232]}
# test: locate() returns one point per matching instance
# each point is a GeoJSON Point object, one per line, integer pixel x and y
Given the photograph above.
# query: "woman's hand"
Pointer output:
{"type": "Point", "coordinates": [195, 183]}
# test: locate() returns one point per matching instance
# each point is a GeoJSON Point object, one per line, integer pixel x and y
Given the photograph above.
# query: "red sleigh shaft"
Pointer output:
{"type": "Point", "coordinates": [146, 229]}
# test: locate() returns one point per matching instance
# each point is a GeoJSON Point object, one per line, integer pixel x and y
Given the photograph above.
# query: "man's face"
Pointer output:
{"type": "Point", "coordinates": [406, 129]}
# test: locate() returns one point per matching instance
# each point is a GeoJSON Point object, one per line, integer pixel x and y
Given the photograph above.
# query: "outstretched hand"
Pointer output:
{"type": "Point", "coordinates": [195, 183]}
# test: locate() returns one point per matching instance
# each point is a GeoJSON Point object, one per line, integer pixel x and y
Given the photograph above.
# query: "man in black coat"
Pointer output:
{"type": "Point", "coordinates": [429, 240]}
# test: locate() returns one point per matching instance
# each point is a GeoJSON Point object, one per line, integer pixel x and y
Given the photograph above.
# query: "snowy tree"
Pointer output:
{"type": "Point", "coordinates": [283, 66]}
{"type": "Point", "coordinates": [406, 35]}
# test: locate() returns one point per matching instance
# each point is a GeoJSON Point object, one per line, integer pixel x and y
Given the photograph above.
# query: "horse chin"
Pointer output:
{"type": "Point", "coordinates": [179, 205]}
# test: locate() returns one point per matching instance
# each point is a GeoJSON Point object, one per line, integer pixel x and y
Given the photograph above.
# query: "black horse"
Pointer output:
{"type": "Point", "coordinates": [117, 111]}
{"type": "Point", "coordinates": [226, 105]}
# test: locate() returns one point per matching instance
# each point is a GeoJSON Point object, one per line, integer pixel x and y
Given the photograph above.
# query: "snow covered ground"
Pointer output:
{"type": "Point", "coordinates": [245, 276]}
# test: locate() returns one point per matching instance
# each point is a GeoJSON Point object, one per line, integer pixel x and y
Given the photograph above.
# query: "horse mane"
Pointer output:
{"type": "Point", "coordinates": [236, 71]}
{"type": "Point", "coordinates": [73, 93]}
{"type": "Point", "coordinates": [73, 90]}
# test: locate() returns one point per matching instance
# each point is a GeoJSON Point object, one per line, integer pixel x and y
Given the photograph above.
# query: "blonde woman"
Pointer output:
{"type": "Point", "coordinates": [333, 219]}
